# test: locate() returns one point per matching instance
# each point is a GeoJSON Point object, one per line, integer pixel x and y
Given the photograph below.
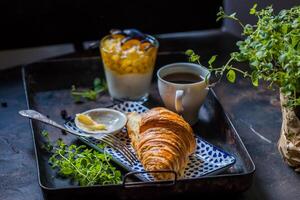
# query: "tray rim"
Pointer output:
{"type": "Point", "coordinates": [155, 183]}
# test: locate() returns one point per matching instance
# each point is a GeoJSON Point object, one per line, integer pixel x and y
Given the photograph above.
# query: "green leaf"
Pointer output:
{"type": "Point", "coordinates": [83, 162]}
{"type": "Point", "coordinates": [189, 52]}
{"type": "Point", "coordinates": [254, 79]}
{"type": "Point", "coordinates": [282, 58]}
{"type": "Point", "coordinates": [212, 59]}
{"type": "Point", "coordinates": [255, 63]}
{"type": "Point", "coordinates": [97, 82]}
{"type": "Point", "coordinates": [231, 76]}
{"type": "Point", "coordinates": [295, 40]}
{"type": "Point", "coordinates": [66, 171]}
{"type": "Point", "coordinates": [260, 54]}
{"type": "Point", "coordinates": [90, 95]}
{"type": "Point", "coordinates": [284, 28]}
{"type": "Point", "coordinates": [253, 9]}
{"type": "Point", "coordinates": [269, 66]}
{"type": "Point", "coordinates": [194, 58]}
{"type": "Point", "coordinates": [45, 133]}
{"type": "Point", "coordinates": [248, 29]}
{"type": "Point", "coordinates": [101, 145]}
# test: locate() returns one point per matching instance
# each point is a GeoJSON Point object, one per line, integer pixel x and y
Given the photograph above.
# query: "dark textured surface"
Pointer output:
{"type": "Point", "coordinates": [18, 172]}
{"type": "Point", "coordinates": [254, 112]}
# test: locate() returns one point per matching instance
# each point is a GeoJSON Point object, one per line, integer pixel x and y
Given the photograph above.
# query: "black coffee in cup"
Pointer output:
{"type": "Point", "coordinates": [183, 78]}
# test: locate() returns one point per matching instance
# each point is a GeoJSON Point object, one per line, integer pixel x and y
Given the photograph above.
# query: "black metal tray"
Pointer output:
{"type": "Point", "coordinates": [47, 85]}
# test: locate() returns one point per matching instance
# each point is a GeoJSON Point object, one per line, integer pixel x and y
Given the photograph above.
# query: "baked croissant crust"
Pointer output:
{"type": "Point", "coordinates": [162, 139]}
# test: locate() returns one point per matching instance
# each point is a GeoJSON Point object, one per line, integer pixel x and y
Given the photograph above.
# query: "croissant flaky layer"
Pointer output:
{"type": "Point", "coordinates": [162, 141]}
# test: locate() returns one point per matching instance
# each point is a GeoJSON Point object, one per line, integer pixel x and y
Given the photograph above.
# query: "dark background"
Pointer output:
{"type": "Point", "coordinates": [27, 23]}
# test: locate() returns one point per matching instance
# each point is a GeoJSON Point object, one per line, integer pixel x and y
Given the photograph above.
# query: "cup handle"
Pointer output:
{"type": "Point", "coordinates": [178, 101]}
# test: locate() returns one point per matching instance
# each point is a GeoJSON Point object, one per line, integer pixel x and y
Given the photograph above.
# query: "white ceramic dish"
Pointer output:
{"type": "Point", "coordinates": [113, 120]}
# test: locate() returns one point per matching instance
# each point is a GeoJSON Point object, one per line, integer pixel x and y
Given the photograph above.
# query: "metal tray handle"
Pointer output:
{"type": "Point", "coordinates": [164, 183]}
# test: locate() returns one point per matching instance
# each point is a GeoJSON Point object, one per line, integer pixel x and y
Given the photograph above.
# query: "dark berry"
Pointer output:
{"type": "Point", "coordinates": [64, 132]}
{"type": "Point", "coordinates": [64, 114]}
{"type": "Point", "coordinates": [3, 104]}
{"type": "Point", "coordinates": [79, 102]}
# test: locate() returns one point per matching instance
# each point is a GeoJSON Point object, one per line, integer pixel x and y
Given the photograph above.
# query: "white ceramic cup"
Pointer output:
{"type": "Point", "coordinates": [185, 99]}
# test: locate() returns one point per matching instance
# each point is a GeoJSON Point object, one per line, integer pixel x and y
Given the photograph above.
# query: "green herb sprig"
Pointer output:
{"type": "Point", "coordinates": [81, 164]}
{"type": "Point", "coordinates": [272, 48]}
{"type": "Point", "coordinates": [89, 94]}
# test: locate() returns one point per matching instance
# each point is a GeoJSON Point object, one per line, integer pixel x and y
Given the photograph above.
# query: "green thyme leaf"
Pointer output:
{"type": "Point", "coordinates": [253, 9]}
{"type": "Point", "coordinates": [194, 58]}
{"type": "Point", "coordinates": [45, 133]}
{"type": "Point", "coordinates": [254, 79]}
{"type": "Point", "coordinates": [231, 76]}
{"type": "Point", "coordinates": [212, 59]}
{"type": "Point", "coordinates": [189, 52]}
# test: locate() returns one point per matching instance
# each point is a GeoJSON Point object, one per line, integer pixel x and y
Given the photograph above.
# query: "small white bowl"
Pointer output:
{"type": "Point", "coordinates": [113, 120]}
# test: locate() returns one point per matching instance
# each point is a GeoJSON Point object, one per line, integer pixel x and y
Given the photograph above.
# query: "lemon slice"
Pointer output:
{"type": "Point", "coordinates": [97, 127]}
{"type": "Point", "coordinates": [84, 119]}
{"type": "Point", "coordinates": [89, 123]}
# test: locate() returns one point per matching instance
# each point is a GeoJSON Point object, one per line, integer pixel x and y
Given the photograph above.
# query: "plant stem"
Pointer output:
{"type": "Point", "coordinates": [74, 166]}
{"type": "Point", "coordinates": [235, 19]}
{"type": "Point", "coordinates": [241, 71]}
{"type": "Point", "coordinates": [100, 170]}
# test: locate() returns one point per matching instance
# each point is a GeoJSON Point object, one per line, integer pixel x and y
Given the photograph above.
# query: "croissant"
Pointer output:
{"type": "Point", "coordinates": [162, 141]}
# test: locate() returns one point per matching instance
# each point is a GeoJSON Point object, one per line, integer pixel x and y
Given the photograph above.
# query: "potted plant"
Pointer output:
{"type": "Point", "coordinates": [272, 48]}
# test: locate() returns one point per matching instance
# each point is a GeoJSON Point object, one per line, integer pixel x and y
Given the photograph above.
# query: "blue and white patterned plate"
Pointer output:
{"type": "Point", "coordinates": [207, 159]}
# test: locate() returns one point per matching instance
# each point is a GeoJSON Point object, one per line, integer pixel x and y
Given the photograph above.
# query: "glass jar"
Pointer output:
{"type": "Point", "coordinates": [128, 66]}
